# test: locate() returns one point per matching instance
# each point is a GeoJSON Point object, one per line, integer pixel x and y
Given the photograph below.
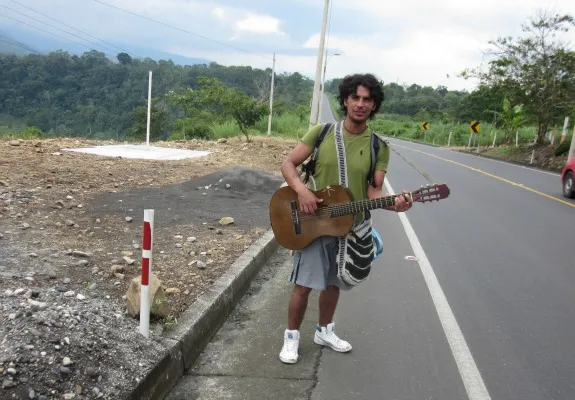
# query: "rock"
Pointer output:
{"type": "Point", "coordinates": [117, 268]}
{"type": "Point", "coordinates": [77, 253]}
{"type": "Point", "coordinates": [128, 260]}
{"type": "Point", "coordinates": [6, 384]}
{"type": "Point", "coordinates": [228, 186]}
{"type": "Point", "coordinates": [129, 219]}
{"type": "Point", "coordinates": [159, 303]}
{"type": "Point", "coordinates": [14, 143]}
{"type": "Point", "coordinates": [226, 221]}
{"type": "Point", "coordinates": [66, 361]}
{"type": "Point", "coordinates": [222, 140]}
{"type": "Point", "coordinates": [191, 239]}
{"type": "Point", "coordinates": [172, 291]}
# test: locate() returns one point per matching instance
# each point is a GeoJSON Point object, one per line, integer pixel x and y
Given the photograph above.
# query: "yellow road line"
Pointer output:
{"type": "Point", "coordinates": [492, 176]}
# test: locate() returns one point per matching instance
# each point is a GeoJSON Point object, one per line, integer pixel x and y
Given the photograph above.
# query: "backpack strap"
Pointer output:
{"type": "Point", "coordinates": [375, 139]}
{"type": "Point", "coordinates": [309, 167]}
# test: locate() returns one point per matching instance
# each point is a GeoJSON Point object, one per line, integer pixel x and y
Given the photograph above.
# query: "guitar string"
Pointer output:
{"type": "Point", "coordinates": [332, 210]}
{"type": "Point", "coordinates": [329, 210]}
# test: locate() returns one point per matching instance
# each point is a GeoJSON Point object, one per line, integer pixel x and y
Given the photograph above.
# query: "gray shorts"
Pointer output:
{"type": "Point", "coordinates": [315, 266]}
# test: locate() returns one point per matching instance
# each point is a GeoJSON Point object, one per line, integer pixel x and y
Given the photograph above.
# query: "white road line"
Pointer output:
{"type": "Point", "coordinates": [485, 158]}
{"type": "Point", "coordinates": [474, 385]}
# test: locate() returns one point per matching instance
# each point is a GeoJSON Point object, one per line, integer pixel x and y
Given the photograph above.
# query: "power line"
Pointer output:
{"type": "Point", "coordinates": [18, 45]}
{"type": "Point", "coordinates": [69, 26]}
{"type": "Point", "coordinates": [44, 30]}
{"type": "Point", "coordinates": [55, 27]}
{"type": "Point", "coordinates": [182, 30]}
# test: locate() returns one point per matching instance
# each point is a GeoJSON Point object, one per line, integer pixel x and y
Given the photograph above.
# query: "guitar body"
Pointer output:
{"type": "Point", "coordinates": [283, 220]}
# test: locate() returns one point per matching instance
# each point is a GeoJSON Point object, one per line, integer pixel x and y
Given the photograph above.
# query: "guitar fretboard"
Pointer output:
{"type": "Point", "coordinates": [339, 210]}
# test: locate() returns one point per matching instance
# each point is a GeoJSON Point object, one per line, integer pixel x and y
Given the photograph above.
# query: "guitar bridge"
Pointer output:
{"type": "Point", "coordinates": [295, 217]}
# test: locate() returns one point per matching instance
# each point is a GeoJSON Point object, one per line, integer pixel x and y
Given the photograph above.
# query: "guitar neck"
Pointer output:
{"type": "Point", "coordinates": [354, 207]}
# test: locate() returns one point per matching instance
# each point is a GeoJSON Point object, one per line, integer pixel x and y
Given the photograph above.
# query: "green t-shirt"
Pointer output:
{"type": "Point", "coordinates": [358, 159]}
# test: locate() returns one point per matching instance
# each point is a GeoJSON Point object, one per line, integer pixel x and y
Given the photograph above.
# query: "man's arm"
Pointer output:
{"type": "Point", "coordinates": [377, 191]}
{"type": "Point", "coordinates": [289, 166]}
{"type": "Point", "coordinates": [402, 203]}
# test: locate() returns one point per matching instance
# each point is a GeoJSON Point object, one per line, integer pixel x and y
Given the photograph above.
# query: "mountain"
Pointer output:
{"type": "Point", "coordinates": [20, 42]}
{"type": "Point", "coordinates": [8, 45]}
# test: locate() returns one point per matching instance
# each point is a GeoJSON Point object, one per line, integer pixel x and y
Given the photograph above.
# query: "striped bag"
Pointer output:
{"type": "Point", "coordinates": [356, 250]}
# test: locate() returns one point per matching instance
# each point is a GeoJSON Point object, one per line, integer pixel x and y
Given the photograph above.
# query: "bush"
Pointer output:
{"type": "Point", "coordinates": [563, 148]}
{"type": "Point", "coordinates": [32, 132]}
{"type": "Point", "coordinates": [191, 128]}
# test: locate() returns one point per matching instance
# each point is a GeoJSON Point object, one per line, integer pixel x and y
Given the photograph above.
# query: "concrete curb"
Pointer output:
{"type": "Point", "coordinates": [200, 322]}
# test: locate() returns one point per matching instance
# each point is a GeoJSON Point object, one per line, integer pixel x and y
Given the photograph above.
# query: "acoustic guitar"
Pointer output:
{"type": "Point", "coordinates": [295, 230]}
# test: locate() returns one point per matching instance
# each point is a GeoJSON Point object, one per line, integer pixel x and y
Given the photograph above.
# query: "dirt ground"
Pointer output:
{"type": "Point", "coordinates": [70, 237]}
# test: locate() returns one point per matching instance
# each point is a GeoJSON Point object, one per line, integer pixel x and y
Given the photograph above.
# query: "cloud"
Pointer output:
{"type": "Point", "coordinates": [246, 23]}
{"type": "Point", "coordinates": [259, 24]}
{"type": "Point", "coordinates": [409, 42]}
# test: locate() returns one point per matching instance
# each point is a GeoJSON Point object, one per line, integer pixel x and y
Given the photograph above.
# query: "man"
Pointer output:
{"type": "Point", "coordinates": [315, 267]}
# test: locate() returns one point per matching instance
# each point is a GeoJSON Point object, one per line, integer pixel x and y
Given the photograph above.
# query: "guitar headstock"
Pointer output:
{"type": "Point", "coordinates": [429, 193]}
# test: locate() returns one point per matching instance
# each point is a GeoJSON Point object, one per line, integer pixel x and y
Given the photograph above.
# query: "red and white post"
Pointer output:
{"type": "Point", "coordinates": [147, 243]}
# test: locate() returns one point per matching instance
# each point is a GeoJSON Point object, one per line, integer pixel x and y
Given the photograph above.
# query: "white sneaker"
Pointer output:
{"type": "Point", "coordinates": [289, 354]}
{"type": "Point", "coordinates": [327, 337]}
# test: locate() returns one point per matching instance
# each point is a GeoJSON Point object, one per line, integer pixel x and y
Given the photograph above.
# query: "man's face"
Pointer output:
{"type": "Point", "coordinates": [359, 105]}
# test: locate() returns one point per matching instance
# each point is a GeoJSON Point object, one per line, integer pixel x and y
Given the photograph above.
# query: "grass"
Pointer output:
{"type": "Point", "coordinates": [443, 133]}
{"type": "Point", "coordinates": [292, 125]}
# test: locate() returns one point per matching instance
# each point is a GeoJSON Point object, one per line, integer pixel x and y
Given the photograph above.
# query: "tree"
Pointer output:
{"type": "Point", "coordinates": [246, 111]}
{"type": "Point", "coordinates": [536, 70]}
{"type": "Point", "coordinates": [124, 58]}
{"type": "Point", "coordinates": [217, 102]}
{"type": "Point", "coordinates": [158, 121]}
{"type": "Point", "coordinates": [511, 118]}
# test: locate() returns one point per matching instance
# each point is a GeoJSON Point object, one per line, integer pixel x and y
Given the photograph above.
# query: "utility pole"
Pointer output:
{"type": "Point", "coordinates": [272, 97]}
{"type": "Point", "coordinates": [322, 96]}
{"type": "Point", "coordinates": [149, 108]}
{"type": "Point", "coordinates": [313, 119]}
{"type": "Point", "coordinates": [572, 147]}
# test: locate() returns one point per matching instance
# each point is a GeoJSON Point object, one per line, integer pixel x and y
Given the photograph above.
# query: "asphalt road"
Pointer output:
{"type": "Point", "coordinates": [486, 311]}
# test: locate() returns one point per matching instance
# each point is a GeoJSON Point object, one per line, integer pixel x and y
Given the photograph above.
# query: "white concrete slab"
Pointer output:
{"type": "Point", "coordinates": [141, 151]}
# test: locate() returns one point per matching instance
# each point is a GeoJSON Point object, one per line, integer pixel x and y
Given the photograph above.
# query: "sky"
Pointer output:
{"type": "Point", "coordinates": [408, 42]}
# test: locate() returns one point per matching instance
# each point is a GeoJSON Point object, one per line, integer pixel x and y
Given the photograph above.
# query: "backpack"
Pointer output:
{"type": "Point", "coordinates": [309, 167]}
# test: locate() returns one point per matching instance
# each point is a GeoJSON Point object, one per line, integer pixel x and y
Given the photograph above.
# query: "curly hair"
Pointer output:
{"type": "Point", "coordinates": [349, 86]}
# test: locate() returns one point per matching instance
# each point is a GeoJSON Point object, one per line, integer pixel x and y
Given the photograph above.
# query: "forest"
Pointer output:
{"type": "Point", "coordinates": [529, 86]}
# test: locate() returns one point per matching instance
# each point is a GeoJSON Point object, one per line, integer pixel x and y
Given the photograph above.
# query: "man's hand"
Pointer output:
{"type": "Point", "coordinates": [308, 201]}
{"type": "Point", "coordinates": [403, 202]}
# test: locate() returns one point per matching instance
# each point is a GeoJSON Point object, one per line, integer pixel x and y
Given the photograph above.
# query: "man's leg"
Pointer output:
{"type": "Point", "coordinates": [325, 331]}
{"type": "Point", "coordinates": [327, 304]}
{"type": "Point", "coordinates": [297, 306]}
{"type": "Point", "coordinates": [309, 271]}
